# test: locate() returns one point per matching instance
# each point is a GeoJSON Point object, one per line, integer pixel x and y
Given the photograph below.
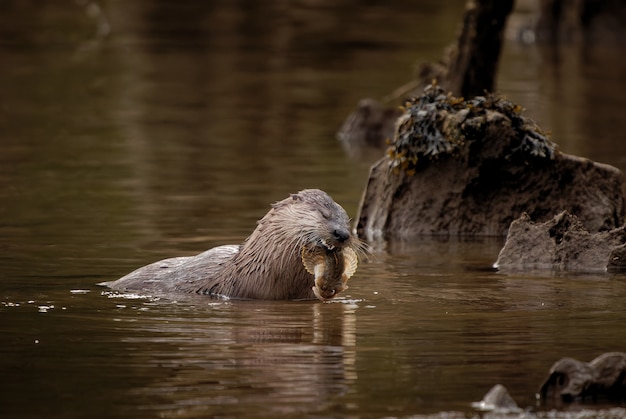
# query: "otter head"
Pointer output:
{"type": "Point", "coordinates": [326, 244]}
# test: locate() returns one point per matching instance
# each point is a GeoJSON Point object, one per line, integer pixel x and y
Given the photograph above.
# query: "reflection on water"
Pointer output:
{"type": "Point", "coordinates": [134, 131]}
{"type": "Point", "coordinates": [291, 358]}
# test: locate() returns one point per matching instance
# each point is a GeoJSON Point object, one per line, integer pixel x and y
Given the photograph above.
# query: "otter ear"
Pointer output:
{"type": "Point", "coordinates": [296, 197]}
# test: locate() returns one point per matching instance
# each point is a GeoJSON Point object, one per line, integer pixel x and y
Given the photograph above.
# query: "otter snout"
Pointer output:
{"type": "Point", "coordinates": [341, 235]}
{"type": "Point", "coordinates": [336, 238]}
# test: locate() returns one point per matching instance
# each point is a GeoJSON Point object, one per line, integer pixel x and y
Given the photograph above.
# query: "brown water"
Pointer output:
{"type": "Point", "coordinates": [134, 131]}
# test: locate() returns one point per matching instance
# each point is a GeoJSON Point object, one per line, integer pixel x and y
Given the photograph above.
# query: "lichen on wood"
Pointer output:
{"type": "Point", "coordinates": [437, 123]}
{"type": "Point", "coordinates": [471, 167]}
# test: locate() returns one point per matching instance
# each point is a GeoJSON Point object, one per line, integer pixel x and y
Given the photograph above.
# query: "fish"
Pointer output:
{"type": "Point", "coordinates": [331, 268]}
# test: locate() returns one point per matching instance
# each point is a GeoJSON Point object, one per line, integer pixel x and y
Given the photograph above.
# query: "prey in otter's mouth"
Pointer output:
{"type": "Point", "coordinates": [302, 248]}
{"type": "Point", "coordinates": [331, 266]}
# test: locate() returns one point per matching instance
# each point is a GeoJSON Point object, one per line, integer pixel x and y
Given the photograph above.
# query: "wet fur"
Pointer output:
{"type": "Point", "coordinates": [266, 266]}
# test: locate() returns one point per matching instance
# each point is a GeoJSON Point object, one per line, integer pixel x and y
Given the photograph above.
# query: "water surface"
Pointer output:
{"type": "Point", "coordinates": [135, 131]}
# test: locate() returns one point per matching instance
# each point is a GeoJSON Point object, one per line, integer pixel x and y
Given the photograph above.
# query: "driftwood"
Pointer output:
{"type": "Point", "coordinates": [458, 167]}
{"type": "Point", "coordinates": [473, 68]}
{"type": "Point", "coordinates": [468, 68]}
{"type": "Point", "coordinates": [561, 243]}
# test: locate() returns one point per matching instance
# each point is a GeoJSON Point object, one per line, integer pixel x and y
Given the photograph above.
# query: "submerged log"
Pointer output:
{"type": "Point", "coordinates": [471, 167]}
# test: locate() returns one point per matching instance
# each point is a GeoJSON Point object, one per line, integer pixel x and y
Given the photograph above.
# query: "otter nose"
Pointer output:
{"type": "Point", "coordinates": [341, 235]}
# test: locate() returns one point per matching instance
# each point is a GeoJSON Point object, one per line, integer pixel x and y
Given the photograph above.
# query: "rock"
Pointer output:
{"type": "Point", "coordinates": [562, 243]}
{"type": "Point", "coordinates": [471, 167]}
{"type": "Point", "coordinates": [497, 399]}
{"type": "Point", "coordinates": [570, 379]}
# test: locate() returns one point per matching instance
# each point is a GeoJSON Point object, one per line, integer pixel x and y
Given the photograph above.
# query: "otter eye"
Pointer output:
{"type": "Point", "coordinates": [325, 213]}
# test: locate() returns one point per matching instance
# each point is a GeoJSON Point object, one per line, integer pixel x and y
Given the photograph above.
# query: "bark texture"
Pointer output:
{"type": "Point", "coordinates": [472, 167]}
{"type": "Point", "coordinates": [562, 243]}
{"type": "Point", "coordinates": [473, 68]}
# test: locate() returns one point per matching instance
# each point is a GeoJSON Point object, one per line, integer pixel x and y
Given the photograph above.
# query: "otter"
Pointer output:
{"type": "Point", "coordinates": [303, 248]}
